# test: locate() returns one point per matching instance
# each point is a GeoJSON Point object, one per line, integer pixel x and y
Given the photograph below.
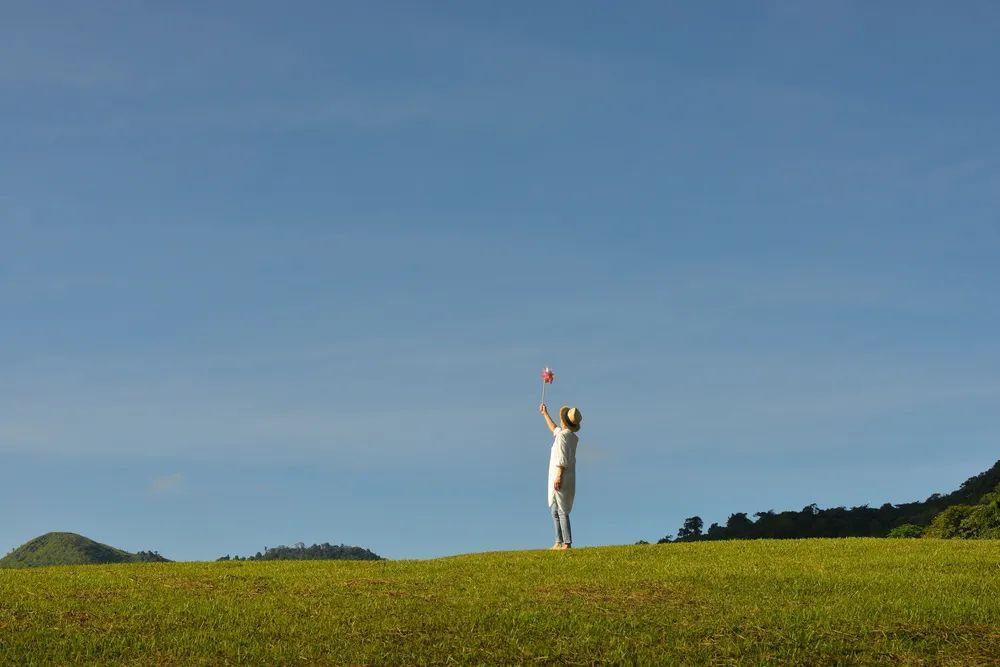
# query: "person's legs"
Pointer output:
{"type": "Point", "coordinates": [556, 524]}
{"type": "Point", "coordinates": [564, 529]}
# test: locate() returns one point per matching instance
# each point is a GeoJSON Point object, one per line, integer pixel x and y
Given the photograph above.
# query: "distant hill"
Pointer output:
{"type": "Point", "coordinates": [72, 549]}
{"type": "Point", "coordinates": [863, 521]}
{"type": "Point", "coordinates": [300, 551]}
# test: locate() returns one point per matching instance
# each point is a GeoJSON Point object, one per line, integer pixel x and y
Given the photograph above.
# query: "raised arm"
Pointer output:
{"type": "Point", "coordinates": [544, 410]}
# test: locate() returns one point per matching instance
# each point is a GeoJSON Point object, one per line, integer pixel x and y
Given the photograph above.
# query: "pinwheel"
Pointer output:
{"type": "Point", "coordinates": [547, 377]}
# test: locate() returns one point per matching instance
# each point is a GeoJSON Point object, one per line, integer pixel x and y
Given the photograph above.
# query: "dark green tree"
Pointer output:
{"type": "Point", "coordinates": [906, 530]}
{"type": "Point", "coordinates": [691, 530]}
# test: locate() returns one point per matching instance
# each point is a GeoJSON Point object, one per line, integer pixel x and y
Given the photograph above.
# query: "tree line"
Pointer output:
{"type": "Point", "coordinates": [299, 551]}
{"type": "Point", "coordinates": [973, 510]}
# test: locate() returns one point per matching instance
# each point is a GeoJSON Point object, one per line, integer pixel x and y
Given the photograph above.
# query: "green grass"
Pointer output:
{"type": "Point", "coordinates": [807, 601]}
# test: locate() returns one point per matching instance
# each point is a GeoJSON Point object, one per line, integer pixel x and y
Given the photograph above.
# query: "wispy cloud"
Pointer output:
{"type": "Point", "coordinates": [165, 484]}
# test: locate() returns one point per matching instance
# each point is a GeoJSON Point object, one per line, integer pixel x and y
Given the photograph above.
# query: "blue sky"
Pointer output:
{"type": "Point", "coordinates": [280, 274]}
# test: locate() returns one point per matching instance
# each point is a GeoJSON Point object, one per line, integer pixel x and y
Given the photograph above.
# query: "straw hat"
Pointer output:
{"type": "Point", "coordinates": [571, 416]}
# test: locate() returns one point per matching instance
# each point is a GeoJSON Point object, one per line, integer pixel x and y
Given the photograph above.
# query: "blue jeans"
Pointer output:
{"type": "Point", "coordinates": [560, 520]}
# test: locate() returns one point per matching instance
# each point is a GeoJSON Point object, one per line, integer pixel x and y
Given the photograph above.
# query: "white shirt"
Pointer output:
{"type": "Point", "coordinates": [562, 455]}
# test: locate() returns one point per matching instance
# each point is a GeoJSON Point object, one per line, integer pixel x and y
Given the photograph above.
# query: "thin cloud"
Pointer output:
{"type": "Point", "coordinates": [166, 484]}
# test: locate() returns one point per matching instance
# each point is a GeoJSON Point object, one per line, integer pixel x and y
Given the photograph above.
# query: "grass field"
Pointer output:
{"type": "Point", "coordinates": [808, 601]}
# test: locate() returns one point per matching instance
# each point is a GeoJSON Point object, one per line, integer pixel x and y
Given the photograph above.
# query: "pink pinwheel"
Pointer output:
{"type": "Point", "coordinates": [547, 377]}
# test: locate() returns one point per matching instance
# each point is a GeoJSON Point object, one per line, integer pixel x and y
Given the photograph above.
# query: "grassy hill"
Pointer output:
{"type": "Point", "coordinates": [71, 549]}
{"type": "Point", "coordinates": [780, 601]}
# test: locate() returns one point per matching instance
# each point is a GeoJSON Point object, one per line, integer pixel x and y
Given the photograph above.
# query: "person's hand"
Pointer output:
{"type": "Point", "coordinates": [543, 409]}
{"type": "Point", "coordinates": [558, 483]}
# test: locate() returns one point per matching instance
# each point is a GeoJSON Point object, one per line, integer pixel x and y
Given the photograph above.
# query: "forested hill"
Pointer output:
{"type": "Point", "coordinates": [863, 521]}
{"type": "Point", "coordinates": [72, 549]}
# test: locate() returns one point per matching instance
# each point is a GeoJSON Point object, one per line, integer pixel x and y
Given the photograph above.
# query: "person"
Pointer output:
{"type": "Point", "coordinates": [561, 488]}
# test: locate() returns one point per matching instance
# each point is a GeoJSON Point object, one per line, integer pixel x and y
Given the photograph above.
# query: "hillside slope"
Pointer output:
{"type": "Point", "coordinates": [71, 549]}
{"type": "Point", "coordinates": [751, 602]}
